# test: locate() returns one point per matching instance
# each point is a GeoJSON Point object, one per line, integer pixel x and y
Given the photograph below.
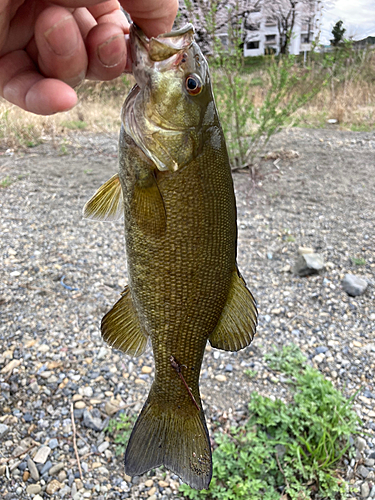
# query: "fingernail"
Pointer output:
{"type": "Point", "coordinates": [62, 37]}
{"type": "Point", "coordinates": [112, 51]}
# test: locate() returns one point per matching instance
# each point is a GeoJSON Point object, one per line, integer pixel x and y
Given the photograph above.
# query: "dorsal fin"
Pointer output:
{"type": "Point", "coordinates": [236, 326]}
{"type": "Point", "coordinates": [107, 203]}
{"type": "Point", "coordinates": [121, 328]}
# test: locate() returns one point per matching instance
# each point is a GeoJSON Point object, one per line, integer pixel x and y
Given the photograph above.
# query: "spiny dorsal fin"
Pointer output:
{"type": "Point", "coordinates": [148, 206]}
{"type": "Point", "coordinates": [236, 326]}
{"type": "Point", "coordinates": [107, 203]}
{"type": "Point", "coordinates": [121, 328]}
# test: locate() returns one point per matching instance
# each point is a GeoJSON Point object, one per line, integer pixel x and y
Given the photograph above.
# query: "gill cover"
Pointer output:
{"type": "Point", "coordinates": [164, 112]}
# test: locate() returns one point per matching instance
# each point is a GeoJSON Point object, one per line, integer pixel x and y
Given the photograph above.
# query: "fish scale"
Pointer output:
{"type": "Point", "coordinates": [176, 192]}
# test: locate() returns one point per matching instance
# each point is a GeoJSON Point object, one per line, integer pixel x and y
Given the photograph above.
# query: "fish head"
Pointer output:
{"type": "Point", "coordinates": [166, 112]}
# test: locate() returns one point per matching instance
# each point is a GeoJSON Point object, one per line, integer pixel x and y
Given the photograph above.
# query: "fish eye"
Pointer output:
{"type": "Point", "coordinates": [193, 84]}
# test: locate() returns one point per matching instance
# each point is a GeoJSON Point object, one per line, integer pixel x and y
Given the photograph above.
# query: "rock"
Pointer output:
{"type": "Point", "coordinates": [321, 350]}
{"type": "Point", "coordinates": [308, 263]}
{"type": "Point", "coordinates": [37, 497]}
{"type": "Point", "coordinates": [146, 369]}
{"type": "Point", "coordinates": [53, 443]}
{"type": "Point", "coordinates": [10, 366]}
{"type": "Point", "coordinates": [305, 250]}
{"type": "Point", "coordinates": [365, 490]}
{"type": "Point", "coordinates": [103, 353]}
{"type": "Point", "coordinates": [86, 391]}
{"type": "Point", "coordinates": [369, 462]}
{"type": "Point", "coordinates": [111, 408]}
{"type": "Point", "coordinates": [354, 285]}
{"type": "Point", "coordinates": [229, 368]}
{"type": "Point", "coordinates": [102, 447]}
{"type": "Point", "coordinates": [360, 444]}
{"type": "Point", "coordinates": [2, 470]}
{"type": "Point", "coordinates": [221, 378]}
{"type": "Point", "coordinates": [332, 121]}
{"type": "Point", "coordinates": [149, 483]}
{"type": "Point", "coordinates": [163, 484]}
{"type": "Point", "coordinates": [56, 468]}
{"type": "Point", "coordinates": [152, 491]}
{"type": "Point", "coordinates": [92, 420]}
{"type": "Point", "coordinates": [43, 348]}
{"type": "Point", "coordinates": [42, 455]}
{"type": "Point", "coordinates": [362, 471]}
{"type": "Point", "coordinates": [372, 492]}
{"type": "Point", "coordinates": [4, 429]}
{"type": "Point", "coordinates": [46, 467]}
{"type": "Point", "coordinates": [80, 405]}
{"type": "Point", "coordinates": [33, 470]}
{"type": "Point", "coordinates": [53, 486]}
{"type": "Point", "coordinates": [33, 489]}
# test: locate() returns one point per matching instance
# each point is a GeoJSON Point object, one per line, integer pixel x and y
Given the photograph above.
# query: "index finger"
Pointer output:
{"type": "Point", "coordinates": [152, 16]}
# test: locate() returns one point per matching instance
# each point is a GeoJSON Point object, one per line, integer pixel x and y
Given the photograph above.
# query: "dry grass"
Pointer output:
{"type": "Point", "coordinates": [349, 99]}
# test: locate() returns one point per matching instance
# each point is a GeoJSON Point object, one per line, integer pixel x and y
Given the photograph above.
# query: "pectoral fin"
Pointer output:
{"type": "Point", "coordinates": [148, 206]}
{"type": "Point", "coordinates": [236, 326]}
{"type": "Point", "coordinates": [107, 203]}
{"type": "Point", "coordinates": [121, 328]}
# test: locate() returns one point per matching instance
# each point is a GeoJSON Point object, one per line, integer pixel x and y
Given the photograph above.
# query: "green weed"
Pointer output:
{"type": "Point", "coordinates": [74, 124]}
{"type": "Point", "coordinates": [358, 261]}
{"type": "Point", "coordinates": [285, 449]}
{"type": "Point", "coordinates": [251, 373]}
{"type": "Point", "coordinates": [119, 429]}
{"type": "Point", "coordinates": [7, 181]}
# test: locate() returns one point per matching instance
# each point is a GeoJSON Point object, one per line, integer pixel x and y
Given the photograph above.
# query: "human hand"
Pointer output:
{"type": "Point", "coordinates": [46, 48]}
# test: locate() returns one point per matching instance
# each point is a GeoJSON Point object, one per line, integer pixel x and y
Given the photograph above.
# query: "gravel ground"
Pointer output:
{"type": "Point", "coordinates": [59, 274]}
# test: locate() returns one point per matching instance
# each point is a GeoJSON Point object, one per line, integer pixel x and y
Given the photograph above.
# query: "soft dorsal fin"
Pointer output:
{"type": "Point", "coordinates": [107, 203]}
{"type": "Point", "coordinates": [236, 326]}
{"type": "Point", "coordinates": [121, 328]}
{"type": "Point", "coordinates": [148, 206]}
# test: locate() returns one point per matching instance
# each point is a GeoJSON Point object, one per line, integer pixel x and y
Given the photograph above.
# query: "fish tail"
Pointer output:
{"type": "Point", "coordinates": [177, 439]}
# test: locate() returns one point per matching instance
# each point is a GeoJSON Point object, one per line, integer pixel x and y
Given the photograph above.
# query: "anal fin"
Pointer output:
{"type": "Point", "coordinates": [107, 203]}
{"type": "Point", "coordinates": [121, 328]}
{"type": "Point", "coordinates": [236, 326]}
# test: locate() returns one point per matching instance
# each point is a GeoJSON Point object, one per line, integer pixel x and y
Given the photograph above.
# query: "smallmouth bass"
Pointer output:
{"type": "Point", "coordinates": [175, 191]}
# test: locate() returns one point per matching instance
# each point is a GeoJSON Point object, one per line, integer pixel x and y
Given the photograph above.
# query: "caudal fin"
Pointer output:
{"type": "Point", "coordinates": [179, 441]}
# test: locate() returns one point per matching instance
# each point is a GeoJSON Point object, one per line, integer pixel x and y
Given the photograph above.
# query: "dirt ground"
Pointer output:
{"type": "Point", "coordinates": [59, 274]}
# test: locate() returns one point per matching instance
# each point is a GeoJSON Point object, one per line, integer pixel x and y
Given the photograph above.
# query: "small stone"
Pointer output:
{"type": "Point", "coordinates": [319, 358]}
{"type": "Point", "coordinates": [53, 443]}
{"type": "Point", "coordinates": [46, 467]}
{"type": "Point", "coordinates": [33, 489]}
{"type": "Point", "coordinates": [33, 469]}
{"type": "Point", "coordinates": [25, 476]}
{"type": "Point", "coordinates": [10, 366]}
{"type": "Point", "coordinates": [370, 462]}
{"type": "Point", "coordinates": [362, 471]}
{"type": "Point", "coordinates": [3, 468]}
{"type": "Point", "coordinates": [308, 264]}
{"type": "Point", "coordinates": [103, 352]}
{"type": "Point", "coordinates": [86, 391]}
{"type": "Point", "coordinates": [43, 348]}
{"type": "Point", "coordinates": [372, 492]}
{"type": "Point", "coordinates": [4, 429]}
{"type": "Point", "coordinates": [62, 476]}
{"type": "Point", "coordinates": [356, 343]}
{"type": "Point", "coordinates": [221, 378]}
{"type": "Point", "coordinates": [332, 121]}
{"type": "Point", "coordinates": [92, 420]}
{"type": "Point", "coordinates": [321, 349]}
{"type": "Point", "coordinates": [38, 497]}
{"type": "Point", "coordinates": [354, 285]}
{"type": "Point", "coordinates": [365, 490]}
{"type": "Point", "coordinates": [146, 369]}
{"type": "Point", "coordinates": [55, 469]}
{"type": "Point", "coordinates": [360, 444]}
{"type": "Point", "coordinates": [152, 491]}
{"type": "Point", "coordinates": [127, 478]}
{"type": "Point", "coordinates": [103, 446]}
{"type": "Point", "coordinates": [111, 408]}
{"type": "Point", "coordinates": [149, 483]}
{"type": "Point", "coordinates": [53, 486]}
{"type": "Point", "coordinates": [42, 455]}
{"type": "Point", "coordinates": [305, 250]}
{"type": "Point", "coordinates": [229, 368]}
{"type": "Point", "coordinates": [34, 387]}
{"type": "Point", "coordinates": [80, 405]}
{"type": "Point", "coordinates": [76, 397]}
{"type": "Point", "coordinates": [163, 484]}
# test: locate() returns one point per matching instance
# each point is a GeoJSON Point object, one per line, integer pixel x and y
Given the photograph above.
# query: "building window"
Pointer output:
{"type": "Point", "coordinates": [270, 38]}
{"type": "Point", "coordinates": [305, 39]}
{"type": "Point", "coordinates": [253, 26]}
{"type": "Point", "coordinates": [252, 45]}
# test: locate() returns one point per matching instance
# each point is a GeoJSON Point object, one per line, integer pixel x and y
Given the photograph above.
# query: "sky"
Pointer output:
{"type": "Point", "coordinates": [358, 17]}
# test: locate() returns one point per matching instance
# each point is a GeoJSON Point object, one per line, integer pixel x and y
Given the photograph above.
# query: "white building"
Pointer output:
{"type": "Point", "coordinates": [263, 36]}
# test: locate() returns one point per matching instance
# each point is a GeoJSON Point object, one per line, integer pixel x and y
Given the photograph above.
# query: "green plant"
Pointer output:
{"type": "Point", "coordinates": [358, 261]}
{"type": "Point", "coordinates": [74, 124]}
{"type": "Point", "coordinates": [119, 430]}
{"type": "Point", "coordinates": [7, 181]}
{"type": "Point", "coordinates": [250, 373]}
{"type": "Point", "coordinates": [291, 449]}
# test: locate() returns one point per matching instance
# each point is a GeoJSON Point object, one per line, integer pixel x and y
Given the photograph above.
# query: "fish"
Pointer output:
{"type": "Point", "coordinates": [175, 190]}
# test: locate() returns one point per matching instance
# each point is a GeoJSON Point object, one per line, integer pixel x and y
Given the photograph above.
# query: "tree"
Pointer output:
{"type": "Point", "coordinates": [285, 14]}
{"type": "Point", "coordinates": [338, 34]}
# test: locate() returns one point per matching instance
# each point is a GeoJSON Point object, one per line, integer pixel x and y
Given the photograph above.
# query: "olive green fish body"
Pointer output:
{"type": "Point", "coordinates": [176, 192]}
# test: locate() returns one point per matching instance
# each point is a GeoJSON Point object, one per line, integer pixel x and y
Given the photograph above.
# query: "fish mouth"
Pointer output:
{"type": "Point", "coordinates": [164, 46]}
